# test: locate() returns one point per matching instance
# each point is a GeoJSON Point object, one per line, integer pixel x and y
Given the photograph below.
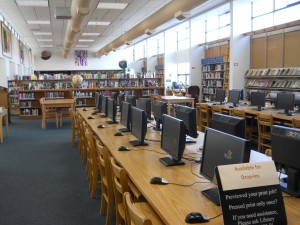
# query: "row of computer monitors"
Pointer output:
{"type": "Point", "coordinates": [225, 138]}
{"type": "Point", "coordinates": [280, 100]}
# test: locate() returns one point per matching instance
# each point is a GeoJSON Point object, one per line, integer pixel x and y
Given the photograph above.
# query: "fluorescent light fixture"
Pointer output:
{"type": "Point", "coordinates": [99, 23]}
{"type": "Point", "coordinates": [90, 34]}
{"type": "Point", "coordinates": [82, 46]}
{"type": "Point", "coordinates": [46, 46]}
{"type": "Point", "coordinates": [106, 5]}
{"type": "Point", "coordinates": [42, 33]}
{"type": "Point", "coordinates": [47, 40]}
{"type": "Point", "coordinates": [41, 3]}
{"type": "Point", "coordinates": [85, 40]}
{"type": "Point", "coordinates": [38, 21]}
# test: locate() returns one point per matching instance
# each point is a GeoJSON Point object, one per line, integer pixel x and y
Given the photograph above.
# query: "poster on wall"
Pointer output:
{"type": "Point", "coordinates": [21, 50]}
{"type": "Point", "coordinates": [6, 41]}
{"type": "Point", "coordinates": [81, 58]}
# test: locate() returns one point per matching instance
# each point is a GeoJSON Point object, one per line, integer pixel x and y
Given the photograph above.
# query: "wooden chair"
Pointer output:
{"type": "Point", "coordinates": [107, 190]}
{"type": "Point", "coordinates": [204, 116]}
{"type": "Point", "coordinates": [216, 109]}
{"type": "Point", "coordinates": [74, 127]}
{"type": "Point", "coordinates": [140, 213]}
{"type": "Point", "coordinates": [264, 123]}
{"type": "Point", "coordinates": [82, 139]}
{"type": "Point", "coordinates": [48, 113]}
{"type": "Point", "coordinates": [296, 123]}
{"type": "Point", "coordinates": [251, 128]}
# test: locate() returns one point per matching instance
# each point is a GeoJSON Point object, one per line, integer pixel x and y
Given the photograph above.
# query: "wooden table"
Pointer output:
{"type": "Point", "coordinates": [3, 114]}
{"type": "Point", "coordinates": [177, 99]}
{"type": "Point", "coordinates": [56, 103]}
{"type": "Point", "coordinates": [171, 202]}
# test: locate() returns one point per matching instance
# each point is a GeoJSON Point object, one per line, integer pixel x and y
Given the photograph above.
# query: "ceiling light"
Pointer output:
{"type": "Point", "coordinates": [38, 21]}
{"type": "Point", "coordinates": [85, 40]}
{"type": "Point", "coordinates": [90, 34]}
{"type": "Point", "coordinates": [99, 23]}
{"type": "Point", "coordinates": [42, 33]}
{"type": "Point", "coordinates": [46, 46]}
{"type": "Point", "coordinates": [44, 40]}
{"type": "Point", "coordinates": [106, 5]}
{"type": "Point", "coordinates": [42, 3]}
{"type": "Point", "coordinates": [82, 46]}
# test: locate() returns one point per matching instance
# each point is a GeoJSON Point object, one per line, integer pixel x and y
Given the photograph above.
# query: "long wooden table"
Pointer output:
{"type": "Point", "coordinates": [171, 202]}
{"type": "Point", "coordinates": [177, 99]}
{"type": "Point", "coordinates": [3, 114]}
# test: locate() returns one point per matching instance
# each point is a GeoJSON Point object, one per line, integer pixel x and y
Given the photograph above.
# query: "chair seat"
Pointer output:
{"type": "Point", "coordinates": [146, 209]}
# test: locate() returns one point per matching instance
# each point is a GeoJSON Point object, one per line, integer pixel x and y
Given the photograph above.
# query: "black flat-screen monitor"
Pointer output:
{"type": "Point", "coordinates": [286, 101]}
{"type": "Point", "coordinates": [241, 93]}
{"type": "Point", "coordinates": [145, 104]}
{"type": "Point", "coordinates": [114, 95]}
{"type": "Point", "coordinates": [220, 95]}
{"type": "Point", "coordinates": [96, 101]}
{"type": "Point", "coordinates": [159, 108]}
{"type": "Point", "coordinates": [111, 111]}
{"type": "Point", "coordinates": [138, 126]}
{"type": "Point", "coordinates": [234, 97]}
{"type": "Point", "coordinates": [121, 99]}
{"type": "Point", "coordinates": [131, 99]}
{"type": "Point", "coordinates": [273, 98]}
{"type": "Point", "coordinates": [297, 100]}
{"type": "Point", "coordinates": [104, 105]}
{"type": "Point", "coordinates": [229, 124]}
{"type": "Point", "coordinates": [258, 99]}
{"type": "Point", "coordinates": [172, 140]}
{"type": "Point", "coordinates": [189, 116]}
{"type": "Point", "coordinates": [221, 149]}
{"type": "Point", "coordinates": [125, 117]}
{"type": "Point", "coordinates": [286, 155]}
{"type": "Point", "coordinates": [248, 94]}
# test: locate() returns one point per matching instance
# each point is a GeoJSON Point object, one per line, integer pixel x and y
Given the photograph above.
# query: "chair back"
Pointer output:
{"type": "Point", "coordinates": [296, 123]}
{"type": "Point", "coordinates": [204, 116]}
{"type": "Point", "coordinates": [216, 109]}
{"type": "Point", "coordinates": [194, 91]}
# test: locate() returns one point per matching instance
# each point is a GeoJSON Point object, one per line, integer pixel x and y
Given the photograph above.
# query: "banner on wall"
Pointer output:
{"type": "Point", "coordinates": [81, 58]}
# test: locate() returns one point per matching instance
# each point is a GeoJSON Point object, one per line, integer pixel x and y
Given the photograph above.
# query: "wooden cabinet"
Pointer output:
{"type": "Point", "coordinates": [215, 74]}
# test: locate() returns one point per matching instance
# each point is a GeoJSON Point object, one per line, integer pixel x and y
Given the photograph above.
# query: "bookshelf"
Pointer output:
{"type": "Point", "coordinates": [13, 98]}
{"type": "Point", "coordinates": [215, 74]}
{"type": "Point", "coordinates": [273, 79]}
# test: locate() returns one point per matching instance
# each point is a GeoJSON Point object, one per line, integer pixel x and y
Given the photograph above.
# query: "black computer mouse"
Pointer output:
{"type": "Point", "coordinates": [118, 133]}
{"type": "Point", "coordinates": [230, 107]}
{"type": "Point", "coordinates": [123, 148]}
{"type": "Point", "coordinates": [158, 180]}
{"type": "Point", "coordinates": [101, 126]}
{"type": "Point", "coordinates": [196, 217]}
{"type": "Point", "coordinates": [94, 113]}
{"type": "Point", "coordinates": [90, 117]}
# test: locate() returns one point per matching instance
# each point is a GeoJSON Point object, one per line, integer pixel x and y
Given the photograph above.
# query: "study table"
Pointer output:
{"type": "Point", "coordinates": [175, 100]}
{"type": "Point", "coordinates": [3, 114]}
{"type": "Point", "coordinates": [171, 202]}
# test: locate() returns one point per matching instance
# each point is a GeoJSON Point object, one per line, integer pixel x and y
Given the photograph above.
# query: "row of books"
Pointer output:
{"type": "Point", "coordinates": [212, 83]}
{"type": "Point", "coordinates": [55, 94]}
{"type": "Point", "coordinates": [30, 112]}
{"type": "Point", "coordinates": [213, 67]}
{"type": "Point", "coordinates": [213, 75]}
{"type": "Point", "coordinates": [291, 71]}
{"type": "Point", "coordinates": [210, 91]}
{"type": "Point", "coordinates": [274, 83]}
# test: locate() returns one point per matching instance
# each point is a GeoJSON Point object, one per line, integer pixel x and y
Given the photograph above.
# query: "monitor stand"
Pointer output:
{"type": "Point", "coordinates": [167, 161]}
{"type": "Point", "coordinates": [213, 195]}
{"type": "Point", "coordinates": [124, 130]}
{"type": "Point", "coordinates": [286, 112]}
{"type": "Point", "coordinates": [138, 143]}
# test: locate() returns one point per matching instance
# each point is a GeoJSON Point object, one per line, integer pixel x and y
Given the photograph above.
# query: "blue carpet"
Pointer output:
{"type": "Point", "coordinates": [42, 179]}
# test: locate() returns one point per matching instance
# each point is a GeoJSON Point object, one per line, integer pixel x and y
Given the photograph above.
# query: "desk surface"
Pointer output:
{"type": "Point", "coordinates": [171, 202]}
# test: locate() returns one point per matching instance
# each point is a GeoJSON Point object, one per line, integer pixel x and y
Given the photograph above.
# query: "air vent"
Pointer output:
{"type": "Point", "coordinates": [62, 13]}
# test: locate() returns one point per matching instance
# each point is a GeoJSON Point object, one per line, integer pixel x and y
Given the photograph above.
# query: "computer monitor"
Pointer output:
{"type": "Point", "coordinates": [241, 93]}
{"type": "Point", "coordinates": [138, 126]}
{"type": "Point", "coordinates": [96, 101]}
{"type": "Point", "coordinates": [297, 100]}
{"type": "Point", "coordinates": [104, 105]}
{"type": "Point", "coordinates": [159, 108]}
{"type": "Point", "coordinates": [273, 98]}
{"type": "Point", "coordinates": [131, 99]}
{"type": "Point", "coordinates": [286, 101]}
{"type": "Point", "coordinates": [114, 95]}
{"type": "Point", "coordinates": [220, 95]}
{"type": "Point", "coordinates": [121, 99]}
{"type": "Point", "coordinates": [125, 117]}
{"type": "Point", "coordinates": [145, 104]}
{"type": "Point", "coordinates": [189, 116]}
{"type": "Point", "coordinates": [111, 111]}
{"type": "Point", "coordinates": [228, 124]}
{"type": "Point", "coordinates": [221, 149]}
{"type": "Point", "coordinates": [286, 154]}
{"type": "Point", "coordinates": [234, 97]}
{"type": "Point", "coordinates": [258, 99]}
{"type": "Point", "coordinates": [248, 94]}
{"type": "Point", "coordinates": [172, 140]}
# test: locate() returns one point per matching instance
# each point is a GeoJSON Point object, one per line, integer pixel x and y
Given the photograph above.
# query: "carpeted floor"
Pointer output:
{"type": "Point", "coordinates": [42, 179]}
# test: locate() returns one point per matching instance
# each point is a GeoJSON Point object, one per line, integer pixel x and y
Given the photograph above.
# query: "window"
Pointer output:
{"type": "Point", "coordinates": [183, 76]}
{"type": "Point", "coordinates": [218, 27]}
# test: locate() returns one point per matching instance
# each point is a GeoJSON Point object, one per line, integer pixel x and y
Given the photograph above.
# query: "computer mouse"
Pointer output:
{"type": "Point", "coordinates": [101, 126]}
{"type": "Point", "coordinates": [196, 217]}
{"type": "Point", "coordinates": [123, 148]}
{"type": "Point", "coordinates": [84, 109]}
{"type": "Point", "coordinates": [94, 113]}
{"type": "Point", "coordinates": [158, 180]}
{"type": "Point", "coordinates": [90, 117]}
{"type": "Point", "coordinates": [230, 107]}
{"type": "Point", "coordinates": [118, 133]}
